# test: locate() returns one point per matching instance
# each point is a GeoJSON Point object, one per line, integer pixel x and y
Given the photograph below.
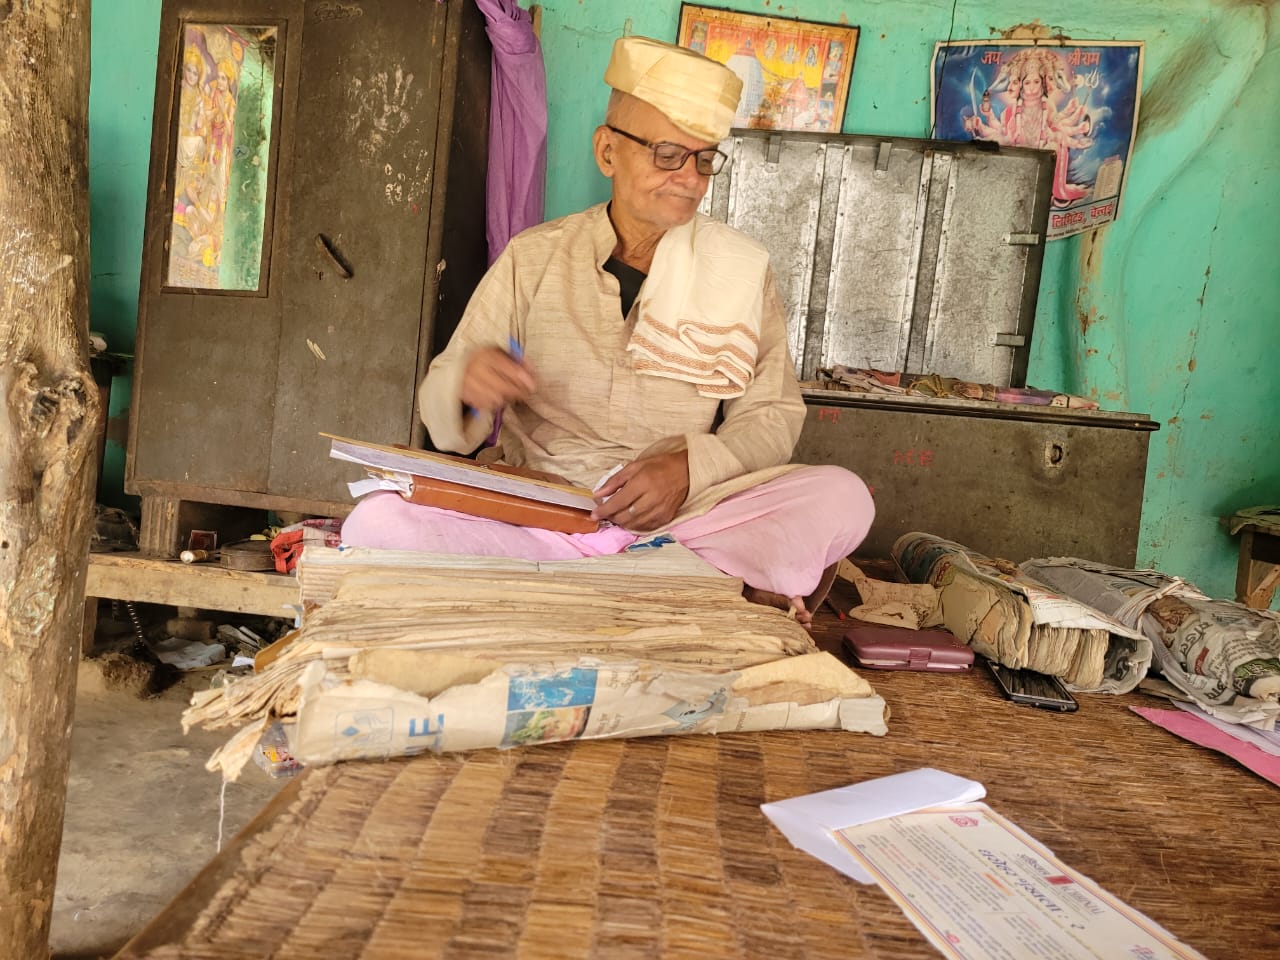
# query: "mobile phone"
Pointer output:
{"type": "Point", "coordinates": [893, 648]}
{"type": "Point", "coordinates": [1031, 688]}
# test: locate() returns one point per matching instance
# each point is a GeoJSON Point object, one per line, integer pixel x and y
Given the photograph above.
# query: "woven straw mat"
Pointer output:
{"type": "Point", "coordinates": [657, 847]}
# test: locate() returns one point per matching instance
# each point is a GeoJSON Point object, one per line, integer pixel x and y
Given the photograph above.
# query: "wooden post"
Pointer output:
{"type": "Point", "coordinates": [49, 414]}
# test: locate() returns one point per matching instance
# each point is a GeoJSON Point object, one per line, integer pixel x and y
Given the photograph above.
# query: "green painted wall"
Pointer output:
{"type": "Point", "coordinates": [121, 88]}
{"type": "Point", "coordinates": [1172, 311]}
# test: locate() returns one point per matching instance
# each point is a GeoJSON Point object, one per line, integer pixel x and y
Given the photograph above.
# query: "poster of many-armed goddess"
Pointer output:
{"type": "Point", "coordinates": [1079, 101]}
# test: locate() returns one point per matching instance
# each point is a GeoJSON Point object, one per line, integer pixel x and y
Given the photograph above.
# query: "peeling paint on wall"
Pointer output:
{"type": "Point", "coordinates": [1035, 30]}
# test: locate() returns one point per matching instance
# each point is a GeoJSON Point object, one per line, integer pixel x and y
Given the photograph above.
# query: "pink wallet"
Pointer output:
{"type": "Point", "coordinates": [893, 648]}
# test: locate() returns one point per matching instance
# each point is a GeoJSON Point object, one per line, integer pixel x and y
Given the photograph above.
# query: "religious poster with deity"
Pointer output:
{"type": "Point", "coordinates": [795, 73]}
{"type": "Point", "coordinates": [1078, 100]}
{"type": "Point", "coordinates": [220, 156]}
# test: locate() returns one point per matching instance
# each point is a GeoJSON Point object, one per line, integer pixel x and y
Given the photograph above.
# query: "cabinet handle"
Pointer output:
{"type": "Point", "coordinates": [323, 245]}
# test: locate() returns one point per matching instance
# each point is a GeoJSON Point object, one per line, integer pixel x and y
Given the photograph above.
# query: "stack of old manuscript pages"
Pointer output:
{"type": "Point", "coordinates": [401, 653]}
{"type": "Point", "coordinates": [1223, 655]}
{"type": "Point", "coordinates": [883, 382]}
{"type": "Point", "coordinates": [1018, 621]}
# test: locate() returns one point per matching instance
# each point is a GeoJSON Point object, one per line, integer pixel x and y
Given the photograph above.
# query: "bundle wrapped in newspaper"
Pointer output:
{"type": "Point", "coordinates": [397, 661]}
{"type": "Point", "coordinates": [1022, 623]}
{"type": "Point", "coordinates": [1223, 655]}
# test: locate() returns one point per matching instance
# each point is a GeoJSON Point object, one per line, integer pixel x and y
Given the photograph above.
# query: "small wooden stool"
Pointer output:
{"type": "Point", "coordinates": [1258, 570]}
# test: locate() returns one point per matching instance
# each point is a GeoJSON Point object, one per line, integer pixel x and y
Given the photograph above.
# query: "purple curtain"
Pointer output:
{"type": "Point", "coordinates": [516, 185]}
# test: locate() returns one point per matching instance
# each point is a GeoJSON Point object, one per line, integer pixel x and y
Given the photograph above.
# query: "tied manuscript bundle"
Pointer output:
{"type": "Point", "coordinates": [394, 659]}
{"type": "Point", "coordinates": [493, 491]}
{"type": "Point", "coordinates": [1014, 619]}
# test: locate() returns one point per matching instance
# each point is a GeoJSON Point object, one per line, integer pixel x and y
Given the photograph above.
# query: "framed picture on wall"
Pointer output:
{"type": "Point", "coordinates": [222, 156]}
{"type": "Point", "coordinates": [795, 73]}
{"type": "Point", "coordinates": [1076, 99]}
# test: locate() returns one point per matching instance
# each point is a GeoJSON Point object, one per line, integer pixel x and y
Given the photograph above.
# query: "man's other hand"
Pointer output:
{"type": "Point", "coordinates": [494, 378]}
{"type": "Point", "coordinates": [646, 493]}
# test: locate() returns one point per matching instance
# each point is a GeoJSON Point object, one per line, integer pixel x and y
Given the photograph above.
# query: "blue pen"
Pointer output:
{"type": "Point", "coordinates": [516, 352]}
{"type": "Point", "coordinates": [656, 543]}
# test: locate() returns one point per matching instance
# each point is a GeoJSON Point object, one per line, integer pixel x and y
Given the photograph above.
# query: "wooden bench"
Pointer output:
{"type": "Point", "coordinates": [1258, 569]}
{"type": "Point", "coordinates": [137, 577]}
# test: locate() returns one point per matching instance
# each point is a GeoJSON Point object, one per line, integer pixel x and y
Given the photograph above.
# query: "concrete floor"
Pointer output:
{"type": "Point", "coordinates": [142, 812]}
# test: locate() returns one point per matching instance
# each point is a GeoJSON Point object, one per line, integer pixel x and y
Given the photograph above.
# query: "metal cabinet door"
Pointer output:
{"type": "Point", "coordinates": [895, 253]}
{"type": "Point", "coordinates": [357, 229]}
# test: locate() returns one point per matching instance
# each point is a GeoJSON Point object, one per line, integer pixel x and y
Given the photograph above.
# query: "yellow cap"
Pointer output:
{"type": "Point", "coordinates": [697, 94]}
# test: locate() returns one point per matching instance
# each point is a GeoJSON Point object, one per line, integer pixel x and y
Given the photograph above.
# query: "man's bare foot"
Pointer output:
{"type": "Point", "coordinates": [802, 608]}
{"type": "Point", "coordinates": [794, 606]}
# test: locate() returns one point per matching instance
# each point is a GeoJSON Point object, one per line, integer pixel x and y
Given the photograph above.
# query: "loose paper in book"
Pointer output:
{"type": "Point", "coordinates": [394, 464]}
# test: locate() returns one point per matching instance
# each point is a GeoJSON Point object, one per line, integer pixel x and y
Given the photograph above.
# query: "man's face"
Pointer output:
{"type": "Point", "coordinates": [643, 193]}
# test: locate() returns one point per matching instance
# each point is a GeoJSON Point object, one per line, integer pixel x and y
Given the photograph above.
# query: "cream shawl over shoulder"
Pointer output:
{"type": "Point", "coordinates": [700, 308]}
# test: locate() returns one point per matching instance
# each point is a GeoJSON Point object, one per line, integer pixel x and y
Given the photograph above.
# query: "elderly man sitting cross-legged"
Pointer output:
{"type": "Point", "coordinates": [651, 339]}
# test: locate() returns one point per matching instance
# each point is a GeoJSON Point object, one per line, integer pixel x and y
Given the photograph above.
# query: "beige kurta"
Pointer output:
{"type": "Point", "coordinates": [592, 411]}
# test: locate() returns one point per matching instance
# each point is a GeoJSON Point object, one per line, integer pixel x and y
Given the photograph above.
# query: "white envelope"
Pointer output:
{"type": "Point", "coordinates": [810, 822]}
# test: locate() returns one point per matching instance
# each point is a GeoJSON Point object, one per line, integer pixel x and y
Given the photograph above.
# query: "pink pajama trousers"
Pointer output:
{"type": "Point", "coordinates": [777, 536]}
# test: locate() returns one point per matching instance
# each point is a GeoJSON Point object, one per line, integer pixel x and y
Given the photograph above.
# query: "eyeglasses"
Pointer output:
{"type": "Point", "coordinates": [671, 156]}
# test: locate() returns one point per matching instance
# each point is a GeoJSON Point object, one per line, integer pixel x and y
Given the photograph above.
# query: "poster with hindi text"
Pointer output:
{"type": "Point", "coordinates": [1078, 100]}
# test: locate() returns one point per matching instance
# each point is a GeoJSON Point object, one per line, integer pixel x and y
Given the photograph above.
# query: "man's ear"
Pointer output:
{"type": "Point", "coordinates": [602, 146]}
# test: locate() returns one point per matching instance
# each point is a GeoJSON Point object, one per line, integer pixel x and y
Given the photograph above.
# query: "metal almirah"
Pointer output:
{"type": "Point", "coordinates": [924, 256]}
{"type": "Point", "coordinates": [315, 225]}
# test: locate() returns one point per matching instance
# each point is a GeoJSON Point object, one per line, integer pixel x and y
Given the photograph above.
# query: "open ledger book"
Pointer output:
{"type": "Point", "coordinates": [494, 491]}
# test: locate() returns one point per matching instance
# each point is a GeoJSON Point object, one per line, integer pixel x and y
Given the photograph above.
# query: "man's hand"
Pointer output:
{"type": "Point", "coordinates": [494, 378]}
{"type": "Point", "coordinates": [646, 493]}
